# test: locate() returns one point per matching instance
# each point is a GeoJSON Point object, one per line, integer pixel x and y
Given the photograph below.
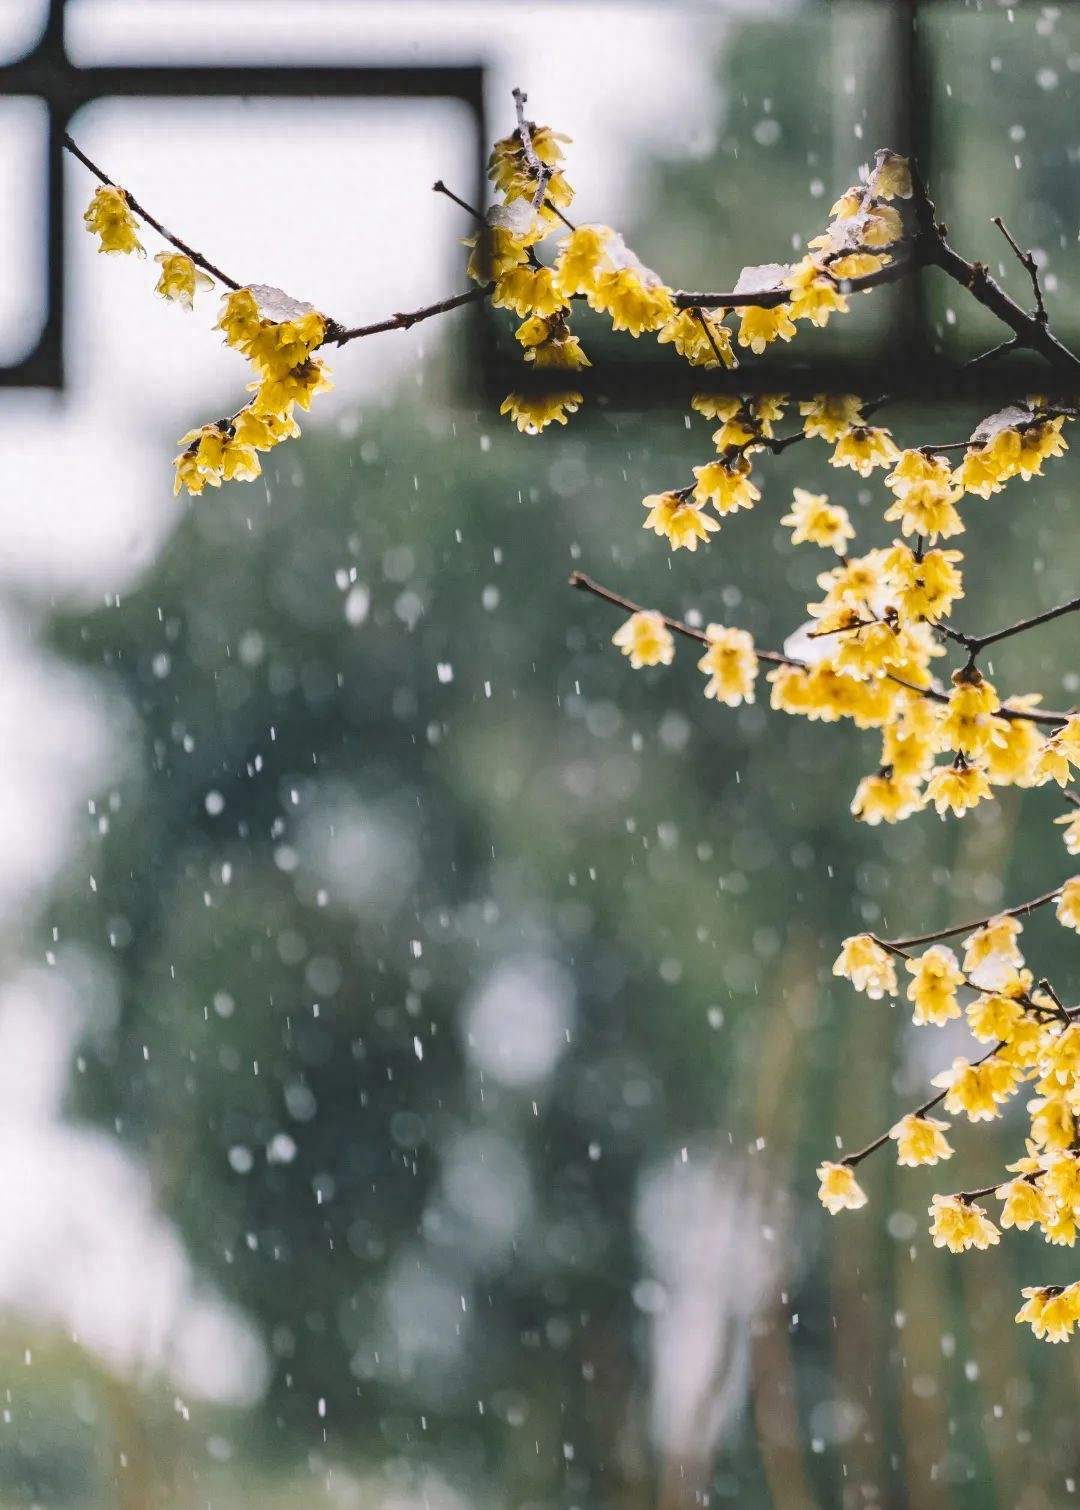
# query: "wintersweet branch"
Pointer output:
{"type": "Point", "coordinates": [770, 298]}
{"type": "Point", "coordinates": [946, 933]}
{"type": "Point", "coordinates": [1030, 330]}
{"type": "Point", "coordinates": [976, 642]}
{"type": "Point", "coordinates": [140, 210]}
{"type": "Point", "coordinates": [677, 626]}
{"type": "Point", "coordinates": [774, 657]}
{"type": "Point", "coordinates": [852, 1159]}
{"type": "Point", "coordinates": [409, 318]}
{"type": "Point", "coordinates": [1028, 263]}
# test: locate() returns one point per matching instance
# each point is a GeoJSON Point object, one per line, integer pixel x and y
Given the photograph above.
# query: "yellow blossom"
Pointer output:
{"type": "Point", "coordinates": [264, 431]}
{"type": "Point", "coordinates": [1024, 1204]}
{"type": "Point", "coordinates": [1053, 1125]}
{"type": "Point", "coordinates": [1068, 907]}
{"type": "Point", "coordinates": [969, 725]}
{"type": "Point", "coordinates": [531, 412]}
{"type": "Point", "coordinates": [725, 483]}
{"type": "Point", "coordinates": [549, 343]}
{"type": "Point", "coordinates": [858, 264]}
{"type": "Point", "coordinates": [239, 319]}
{"type": "Point", "coordinates": [277, 395]}
{"type": "Point", "coordinates": [882, 226]}
{"type": "Point", "coordinates": [1012, 757]}
{"type": "Point", "coordinates": [698, 335]}
{"type": "Point", "coordinates": [208, 443]}
{"type": "Point", "coordinates": [1038, 442]}
{"type": "Point", "coordinates": [730, 664]}
{"type": "Point", "coordinates": [190, 475]}
{"type": "Point", "coordinates": [993, 1019]}
{"type": "Point", "coordinates": [988, 466]}
{"type": "Point", "coordinates": [581, 259]}
{"type": "Point", "coordinates": [991, 947]}
{"type": "Point", "coordinates": [495, 250]}
{"type": "Point", "coordinates": [646, 639]}
{"type": "Point", "coordinates": [958, 787]}
{"type": "Point", "coordinates": [867, 966]}
{"type": "Point", "coordinates": [1061, 1061]}
{"type": "Point", "coordinates": [180, 278]}
{"type": "Point", "coordinates": [924, 509]}
{"type": "Point", "coordinates": [977, 1089]}
{"type": "Point", "coordinates": [1054, 762]}
{"type": "Point", "coordinates": [936, 976]}
{"type": "Point", "coordinates": [635, 302]}
{"type": "Point", "coordinates": [958, 1225]}
{"type": "Point", "coordinates": [891, 178]}
{"type": "Point", "coordinates": [830, 414]}
{"type": "Point", "coordinates": [920, 1140]}
{"type": "Point", "coordinates": [527, 291]}
{"type": "Point", "coordinates": [109, 217]}
{"type": "Point", "coordinates": [510, 170]}
{"type": "Point", "coordinates": [1061, 1179]}
{"type": "Point", "coordinates": [681, 522]}
{"type": "Point", "coordinates": [1051, 1311]}
{"type": "Point", "coordinates": [1061, 1229]}
{"type": "Point", "coordinates": [815, 520]}
{"type": "Point", "coordinates": [839, 1189]}
{"type": "Point", "coordinates": [815, 295]}
{"type": "Point", "coordinates": [1072, 831]}
{"type": "Point", "coordinates": [278, 348]}
{"type": "Point", "coordinates": [885, 797]}
{"type": "Point", "coordinates": [863, 448]}
{"type": "Point", "coordinates": [759, 327]}
{"type": "Point", "coordinates": [926, 587]}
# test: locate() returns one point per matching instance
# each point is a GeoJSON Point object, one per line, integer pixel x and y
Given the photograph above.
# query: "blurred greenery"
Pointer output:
{"type": "Point", "coordinates": [392, 788]}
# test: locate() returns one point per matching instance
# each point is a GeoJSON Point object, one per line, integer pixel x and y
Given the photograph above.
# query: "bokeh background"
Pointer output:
{"type": "Point", "coordinates": [417, 1033]}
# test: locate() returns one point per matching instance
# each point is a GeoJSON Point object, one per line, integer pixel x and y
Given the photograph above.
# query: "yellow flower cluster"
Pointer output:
{"type": "Point", "coordinates": [277, 335]}
{"type": "Point", "coordinates": [593, 263]}
{"type": "Point", "coordinates": [866, 653]}
{"type": "Point", "coordinates": [287, 376]}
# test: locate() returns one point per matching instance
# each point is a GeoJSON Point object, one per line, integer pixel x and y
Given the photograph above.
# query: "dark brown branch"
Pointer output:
{"type": "Point", "coordinates": [1027, 262]}
{"type": "Point", "coordinates": [586, 584]}
{"type": "Point", "coordinates": [976, 642]}
{"type": "Point", "coordinates": [438, 187]}
{"type": "Point", "coordinates": [933, 694]}
{"type": "Point", "coordinates": [409, 318]}
{"type": "Point", "coordinates": [852, 1159]}
{"type": "Point", "coordinates": [945, 933]}
{"type": "Point", "coordinates": [707, 328]}
{"type": "Point", "coordinates": [770, 298]}
{"type": "Point", "coordinates": [934, 250]}
{"type": "Point", "coordinates": [181, 246]}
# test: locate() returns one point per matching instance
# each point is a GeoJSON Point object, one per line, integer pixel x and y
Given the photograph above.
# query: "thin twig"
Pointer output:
{"type": "Point", "coordinates": [770, 298]}
{"type": "Point", "coordinates": [852, 1159]}
{"type": "Point", "coordinates": [932, 694]}
{"type": "Point", "coordinates": [934, 250]}
{"type": "Point", "coordinates": [707, 328]}
{"type": "Point", "coordinates": [1027, 262]}
{"type": "Point", "coordinates": [181, 246]}
{"type": "Point", "coordinates": [976, 642]}
{"type": "Point", "coordinates": [438, 187]}
{"type": "Point", "coordinates": [945, 933]}
{"type": "Point", "coordinates": [586, 584]}
{"type": "Point", "coordinates": [409, 318]}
